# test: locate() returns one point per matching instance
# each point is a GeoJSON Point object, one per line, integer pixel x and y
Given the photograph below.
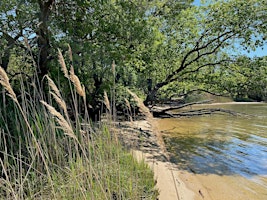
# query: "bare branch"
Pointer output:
{"type": "Point", "coordinates": [197, 49]}
{"type": "Point", "coordinates": [202, 66]}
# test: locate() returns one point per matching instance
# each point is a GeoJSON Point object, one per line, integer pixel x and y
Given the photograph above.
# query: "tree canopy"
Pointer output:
{"type": "Point", "coordinates": [160, 48]}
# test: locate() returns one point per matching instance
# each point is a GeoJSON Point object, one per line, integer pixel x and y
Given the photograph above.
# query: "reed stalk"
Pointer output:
{"type": "Point", "coordinates": [4, 81]}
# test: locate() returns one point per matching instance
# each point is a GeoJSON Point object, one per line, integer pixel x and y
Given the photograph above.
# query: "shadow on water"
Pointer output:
{"type": "Point", "coordinates": [208, 156]}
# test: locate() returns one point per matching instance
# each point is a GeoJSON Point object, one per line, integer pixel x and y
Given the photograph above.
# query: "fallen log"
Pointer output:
{"type": "Point", "coordinates": [168, 112]}
{"type": "Point", "coordinates": [156, 111]}
{"type": "Point", "coordinates": [198, 112]}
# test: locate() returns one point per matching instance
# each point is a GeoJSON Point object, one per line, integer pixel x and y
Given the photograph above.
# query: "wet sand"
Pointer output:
{"type": "Point", "coordinates": [215, 187]}
{"type": "Point", "coordinates": [169, 184]}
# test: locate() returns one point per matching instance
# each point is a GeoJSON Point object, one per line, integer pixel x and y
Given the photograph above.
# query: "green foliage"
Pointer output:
{"type": "Point", "coordinates": [170, 42]}
{"type": "Point", "coordinates": [199, 45]}
{"type": "Point", "coordinates": [179, 47]}
{"type": "Point", "coordinates": [246, 79]}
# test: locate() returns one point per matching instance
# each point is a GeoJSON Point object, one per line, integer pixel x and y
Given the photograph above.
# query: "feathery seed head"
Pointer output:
{"type": "Point", "coordinates": [60, 102]}
{"type": "Point", "coordinates": [56, 95]}
{"type": "Point", "coordinates": [106, 101]}
{"type": "Point", "coordinates": [62, 64]}
{"type": "Point", "coordinates": [64, 125]}
{"type": "Point", "coordinates": [53, 86]}
{"type": "Point", "coordinates": [76, 82]}
{"type": "Point", "coordinates": [4, 81]}
{"type": "Point", "coordinates": [70, 53]}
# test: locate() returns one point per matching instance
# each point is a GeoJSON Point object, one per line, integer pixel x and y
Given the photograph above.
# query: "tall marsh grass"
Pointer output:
{"type": "Point", "coordinates": [46, 154]}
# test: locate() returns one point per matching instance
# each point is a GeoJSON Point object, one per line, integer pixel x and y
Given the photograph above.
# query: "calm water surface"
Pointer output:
{"type": "Point", "coordinates": [222, 144]}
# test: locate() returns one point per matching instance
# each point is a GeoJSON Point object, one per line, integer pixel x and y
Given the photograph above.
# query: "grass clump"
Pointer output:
{"type": "Point", "coordinates": [46, 154]}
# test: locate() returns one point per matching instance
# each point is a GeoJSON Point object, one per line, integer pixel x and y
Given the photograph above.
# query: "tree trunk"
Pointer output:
{"type": "Point", "coordinates": [5, 60]}
{"type": "Point", "coordinates": [10, 44]}
{"type": "Point", "coordinates": [43, 36]}
{"type": "Point", "coordinates": [151, 97]}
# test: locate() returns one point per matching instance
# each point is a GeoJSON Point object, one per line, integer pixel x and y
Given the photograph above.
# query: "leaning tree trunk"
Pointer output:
{"type": "Point", "coordinates": [151, 96]}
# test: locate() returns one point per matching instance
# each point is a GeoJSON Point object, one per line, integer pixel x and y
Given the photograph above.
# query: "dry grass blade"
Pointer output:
{"type": "Point", "coordinates": [141, 106]}
{"type": "Point", "coordinates": [76, 82]}
{"type": "Point", "coordinates": [106, 101]}
{"type": "Point", "coordinates": [114, 68]}
{"type": "Point", "coordinates": [129, 108]}
{"type": "Point", "coordinates": [7, 181]}
{"type": "Point", "coordinates": [63, 64]}
{"type": "Point", "coordinates": [27, 43]}
{"type": "Point", "coordinates": [61, 120]}
{"type": "Point", "coordinates": [4, 81]}
{"type": "Point", "coordinates": [53, 86]}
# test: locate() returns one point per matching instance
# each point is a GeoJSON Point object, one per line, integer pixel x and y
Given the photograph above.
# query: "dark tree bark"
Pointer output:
{"type": "Point", "coordinates": [10, 44]}
{"type": "Point", "coordinates": [43, 36]}
{"type": "Point", "coordinates": [5, 60]}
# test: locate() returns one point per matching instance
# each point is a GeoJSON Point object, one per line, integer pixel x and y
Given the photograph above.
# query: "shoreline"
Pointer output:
{"type": "Point", "coordinates": [173, 183]}
{"type": "Point", "coordinates": [142, 141]}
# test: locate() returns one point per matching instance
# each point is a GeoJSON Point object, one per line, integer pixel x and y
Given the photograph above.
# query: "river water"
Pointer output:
{"type": "Point", "coordinates": [223, 145]}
